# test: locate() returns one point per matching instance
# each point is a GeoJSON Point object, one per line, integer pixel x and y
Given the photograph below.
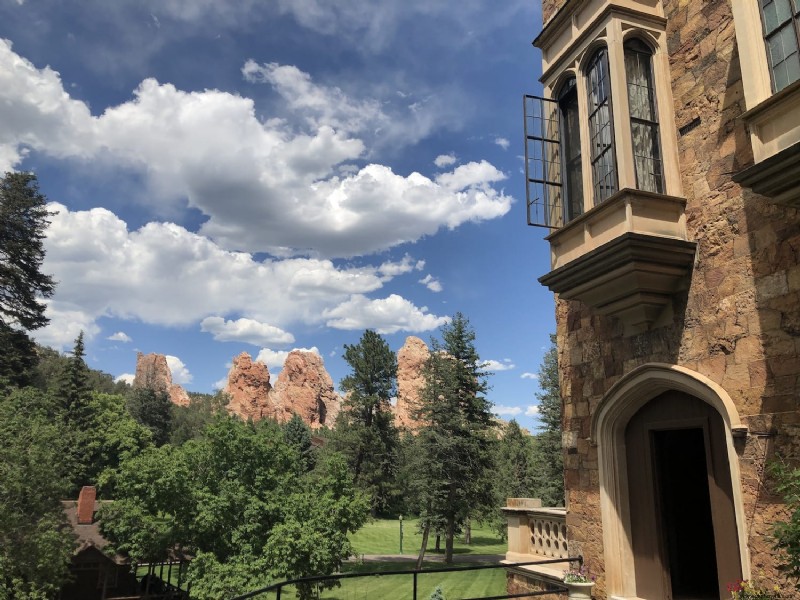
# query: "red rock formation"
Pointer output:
{"type": "Point", "coordinates": [178, 395]}
{"type": "Point", "coordinates": [410, 360]}
{"type": "Point", "coordinates": [249, 389]}
{"type": "Point", "coordinates": [305, 387]}
{"type": "Point", "coordinates": [152, 373]}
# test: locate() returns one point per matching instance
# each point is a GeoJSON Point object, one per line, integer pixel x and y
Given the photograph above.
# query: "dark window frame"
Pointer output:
{"type": "Point", "coordinates": [571, 157]}
{"type": "Point", "coordinates": [794, 19]}
{"type": "Point", "coordinates": [636, 46]}
{"type": "Point", "coordinates": [605, 187]}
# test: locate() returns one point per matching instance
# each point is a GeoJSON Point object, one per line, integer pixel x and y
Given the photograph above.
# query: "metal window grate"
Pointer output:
{"type": "Point", "coordinates": [543, 179]}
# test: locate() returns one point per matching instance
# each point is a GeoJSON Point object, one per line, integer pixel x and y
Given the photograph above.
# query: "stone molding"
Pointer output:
{"type": "Point", "coordinates": [776, 177]}
{"type": "Point", "coordinates": [633, 277]}
{"type": "Point", "coordinates": [616, 408]}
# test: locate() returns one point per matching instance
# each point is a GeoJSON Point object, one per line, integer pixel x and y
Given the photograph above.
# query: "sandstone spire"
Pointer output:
{"type": "Point", "coordinates": [410, 381]}
{"type": "Point", "coordinates": [249, 389]}
{"type": "Point", "coordinates": [152, 373]}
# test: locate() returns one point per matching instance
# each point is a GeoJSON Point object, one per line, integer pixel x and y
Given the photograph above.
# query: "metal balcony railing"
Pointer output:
{"type": "Point", "coordinates": [324, 581]}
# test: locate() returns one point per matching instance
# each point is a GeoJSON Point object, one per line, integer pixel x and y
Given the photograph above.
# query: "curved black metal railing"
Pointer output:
{"type": "Point", "coordinates": [278, 587]}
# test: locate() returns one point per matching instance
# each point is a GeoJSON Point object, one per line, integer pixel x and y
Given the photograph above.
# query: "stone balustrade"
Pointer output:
{"type": "Point", "coordinates": [535, 531]}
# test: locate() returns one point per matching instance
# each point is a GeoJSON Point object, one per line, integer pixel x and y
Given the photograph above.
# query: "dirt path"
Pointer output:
{"type": "Point", "coordinates": [457, 558]}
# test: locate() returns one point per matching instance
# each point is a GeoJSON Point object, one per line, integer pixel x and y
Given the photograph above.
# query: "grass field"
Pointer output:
{"type": "Point", "coordinates": [469, 584]}
{"type": "Point", "coordinates": [382, 536]}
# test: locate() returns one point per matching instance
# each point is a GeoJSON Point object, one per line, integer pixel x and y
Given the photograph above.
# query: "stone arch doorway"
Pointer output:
{"type": "Point", "coordinates": [670, 494]}
{"type": "Point", "coordinates": [682, 518]}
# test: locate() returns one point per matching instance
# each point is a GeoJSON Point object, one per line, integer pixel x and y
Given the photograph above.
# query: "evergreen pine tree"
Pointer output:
{"type": "Point", "coordinates": [298, 435]}
{"type": "Point", "coordinates": [153, 410]}
{"type": "Point", "coordinates": [365, 432]}
{"type": "Point", "coordinates": [549, 457]}
{"type": "Point", "coordinates": [74, 390]}
{"type": "Point", "coordinates": [454, 438]}
{"type": "Point", "coordinates": [23, 286]}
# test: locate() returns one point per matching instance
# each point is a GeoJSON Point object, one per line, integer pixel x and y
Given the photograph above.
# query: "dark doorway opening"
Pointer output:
{"type": "Point", "coordinates": [685, 510]}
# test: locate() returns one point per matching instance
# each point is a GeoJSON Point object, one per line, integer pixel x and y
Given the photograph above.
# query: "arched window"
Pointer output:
{"type": "Point", "coordinates": [601, 130]}
{"type": "Point", "coordinates": [644, 117]}
{"type": "Point", "coordinates": [781, 21]}
{"type": "Point", "coordinates": [571, 150]}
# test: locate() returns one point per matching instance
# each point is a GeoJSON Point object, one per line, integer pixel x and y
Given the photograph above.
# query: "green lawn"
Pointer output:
{"type": "Point", "coordinates": [469, 584]}
{"type": "Point", "coordinates": [382, 536]}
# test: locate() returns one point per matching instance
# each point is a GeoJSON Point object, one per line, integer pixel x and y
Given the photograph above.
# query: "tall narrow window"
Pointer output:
{"type": "Point", "coordinates": [601, 131]}
{"type": "Point", "coordinates": [644, 117]}
{"type": "Point", "coordinates": [571, 150]}
{"type": "Point", "coordinates": [781, 19]}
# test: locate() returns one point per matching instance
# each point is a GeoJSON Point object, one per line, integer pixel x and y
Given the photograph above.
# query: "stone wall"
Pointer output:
{"type": "Point", "coordinates": [520, 584]}
{"type": "Point", "coordinates": [739, 321]}
{"type": "Point", "coordinates": [550, 7]}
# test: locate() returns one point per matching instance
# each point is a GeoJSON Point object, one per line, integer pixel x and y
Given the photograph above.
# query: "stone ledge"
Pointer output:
{"type": "Point", "coordinates": [633, 277]}
{"type": "Point", "coordinates": [777, 177]}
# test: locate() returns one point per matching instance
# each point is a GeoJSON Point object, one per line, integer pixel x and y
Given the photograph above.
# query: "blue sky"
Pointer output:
{"type": "Point", "coordinates": [262, 176]}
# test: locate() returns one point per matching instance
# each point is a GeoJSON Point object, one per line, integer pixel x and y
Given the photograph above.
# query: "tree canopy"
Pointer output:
{"type": "Point", "coordinates": [35, 544]}
{"type": "Point", "coordinates": [152, 409]}
{"type": "Point", "coordinates": [241, 502]}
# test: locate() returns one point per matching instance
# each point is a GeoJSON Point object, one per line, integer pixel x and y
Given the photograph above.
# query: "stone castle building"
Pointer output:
{"type": "Point", "coordinates": [664, 158]}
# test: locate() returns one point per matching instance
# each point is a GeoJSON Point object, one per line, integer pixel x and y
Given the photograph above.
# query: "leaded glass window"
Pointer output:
{"type": "Point", "coordinates": [571, 150]}
{"type": "Point", "coordinates": [644, 117]}
{"type": "Point", "coordinates": [780, 19]}
{"type": "Point", "coordinates": [601, 130]}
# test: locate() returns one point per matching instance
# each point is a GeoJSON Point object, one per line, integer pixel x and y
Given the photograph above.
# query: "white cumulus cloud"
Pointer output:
{"type": "Point", "coordinates": [120, 336]}
{"type": "Point", "coordinates": [496, 365]}
{"type": "Point", "coordinates": [245, 330]}
{"type": "Point", "coordinates": [126, 377]}
{"type": "Point", "coordinates": [274, 359]}
{"type": "Point", "coordinates": [165, 275]}
{"type": "Point", "coordinates": [385, 315]}
{"type": "Point", "coordinates": [180, 373]}
{"type": "Point", "coordinates": [445, 160]}
{"type": "Point", "coordinates": [532, 411]}
{"type": "Point", "coordinates": [506, 411]}
{"type": "Point", "coordinates": [430, 282]}
{"type": "Point", "coordinates": [264, 184]}
{"type": "Point", "coordinates": [527, 375]}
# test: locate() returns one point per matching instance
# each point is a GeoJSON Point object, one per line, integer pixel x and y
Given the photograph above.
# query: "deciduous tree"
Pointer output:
{"type": "Point", "coordinates": [240, 501]}
{"type": "Point", "coordinates": [35, 543]}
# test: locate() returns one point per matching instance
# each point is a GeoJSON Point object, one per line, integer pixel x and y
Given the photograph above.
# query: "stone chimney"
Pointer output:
{"type": "Point", "coordinates": [86, 505]}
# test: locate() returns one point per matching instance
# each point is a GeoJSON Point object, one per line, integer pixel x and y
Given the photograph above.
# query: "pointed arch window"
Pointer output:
{"type": "Point", "coordinates": [601, 130]}
{"type": "Point", "coordinates": [644, 116]}
{"type": "Point", "coordinates": [571, 150]}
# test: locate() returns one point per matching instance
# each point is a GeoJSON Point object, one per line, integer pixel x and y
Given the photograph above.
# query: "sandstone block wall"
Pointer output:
{"type": "Point", "coordinates": [550, 7]}
{"type": "Point", "coordinates": [739, 322]}
{"type": "Point", "coordinates": [520, 584]}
